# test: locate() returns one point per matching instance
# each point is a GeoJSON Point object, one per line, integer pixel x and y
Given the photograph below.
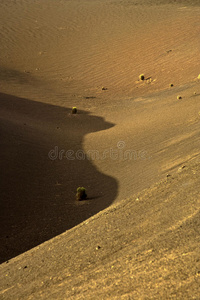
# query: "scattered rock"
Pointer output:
{"type": "Point", "coordinates": [74, 110]}
{"type": "Point", "coordinates": [198, 77]}
{"type": "Point", "coordinates": [141, 77]}
{"type": "Point", "coordinates": [181, 168]}
{"type": "Point", "coordinates": [104, 88]}
{"type": "Point", "coordinates": [90, 97]}
{"type": "Point", "coordinates": [98, 247]}
{"type": "Point", "coordinates": [171, 85]}
{"type": "Point", "coordinates": [179, 97]}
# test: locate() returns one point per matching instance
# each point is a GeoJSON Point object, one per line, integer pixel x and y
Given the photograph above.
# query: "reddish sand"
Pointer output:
{"type": "Point", "coordinates": [128, 134]}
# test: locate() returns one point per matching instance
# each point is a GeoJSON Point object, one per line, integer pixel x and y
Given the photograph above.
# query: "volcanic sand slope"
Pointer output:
{"type": "Point", "coordinates": [144, 247]}
{"type": "Point", "coordinates": [56, 55]}
{"type": "Point", "coordinates": [80, 46]}
{"type": "Point", "coordinates": [38, 183]}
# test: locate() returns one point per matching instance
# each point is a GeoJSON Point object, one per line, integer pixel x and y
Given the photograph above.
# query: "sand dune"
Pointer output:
{"type": "Point", "coordinates": [144, 247]}
{"type": "Point", "coordinates": [80, 46]}
{"type": "Point", "coordinates": [38, 183]}
{"type": "Point", "coordinates": [89, 54]}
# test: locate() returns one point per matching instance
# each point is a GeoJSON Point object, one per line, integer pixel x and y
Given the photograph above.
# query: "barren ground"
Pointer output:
{"type": "Point", "coordinates": [133, 145]}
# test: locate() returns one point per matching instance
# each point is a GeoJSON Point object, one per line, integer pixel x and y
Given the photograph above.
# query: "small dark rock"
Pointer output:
{"type": "Point", "coordinates": [90, 97]}
{"type": "Point", "coordinates": [141, 77]}
{"type": "Point", "coordinates": [74, 110]}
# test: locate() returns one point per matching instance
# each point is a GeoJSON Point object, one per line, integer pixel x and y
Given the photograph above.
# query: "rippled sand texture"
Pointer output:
{"type": "Point", "coordinates": [80, 46]}
{"type": "Point", "coordinates": [128, 134]}
{"type": "Point", "coordinates": [55, 55]}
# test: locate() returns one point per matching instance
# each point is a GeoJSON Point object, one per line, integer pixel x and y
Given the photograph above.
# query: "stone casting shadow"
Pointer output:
{"type": "Point", "coordinates": [39, 177]}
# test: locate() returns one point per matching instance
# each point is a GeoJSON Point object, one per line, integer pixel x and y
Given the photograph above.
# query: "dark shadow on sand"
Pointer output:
{"type": "Point", "coordinates": [37, 197]}
{"type": "Point", "coordinates": [11, 75]}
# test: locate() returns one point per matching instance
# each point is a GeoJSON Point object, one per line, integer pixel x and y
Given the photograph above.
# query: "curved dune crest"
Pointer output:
{"type": "Point", "coordinates": [131, 237]}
